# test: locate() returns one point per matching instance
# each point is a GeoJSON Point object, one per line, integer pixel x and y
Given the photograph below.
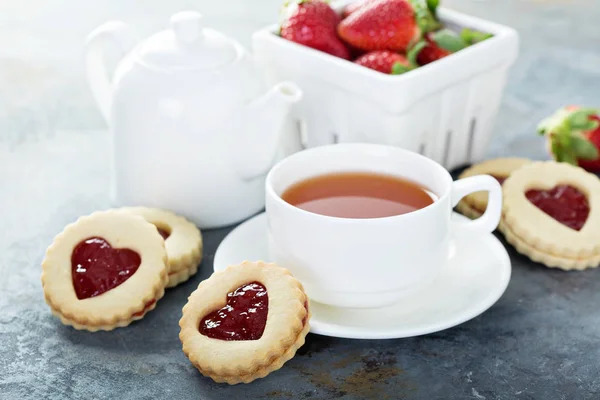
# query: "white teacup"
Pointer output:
{"type": "Point", "coordinates": [369, 262]}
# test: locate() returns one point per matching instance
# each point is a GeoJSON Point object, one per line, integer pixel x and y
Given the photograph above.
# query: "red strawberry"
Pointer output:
{"type": "Point", "coordinates": [350, 8]}
{"type": "Point", "coordinates": [384, 61]}
{"type": "Point", "coordinates": [593, 135]}
{"type": "Point", "coordinates": [313, 23]}
{"type": "Point", "coordinates": [440, 44]}
{"type": "Point", "coordinates": [431, 52]}
{"type": "Point", "coordinates": [436, 46]}
{"type": "Point", "coordinates": [387, 25]}
{"type": "Point", "coordinates": [573, 135]}
{"type": "Point", "coordinates": [426, 11]}
{"type": "Point", "coordinates": [382, 25]}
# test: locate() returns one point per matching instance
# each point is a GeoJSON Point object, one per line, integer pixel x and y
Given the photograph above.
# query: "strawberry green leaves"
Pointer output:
{"type": "Point", "coordinates": [441, 43]}
{"type": "Point", "coordinates": [453, 42]}
{"type": "Point", "coordinates": [573, 149]}
{"type": "Point", "coordinates": [470, 37]}
{"type": "Point", "coordinates": [580, 119]}
{"type": "Point", "coordinates": [566, 131]}
{"type": "Point", "coordinates": [412, 54]}
{"type": "Point", "coordinates": [566, 122]}
{"type": "Point", "coordinates": [425, 17]}
{"type": "Point", "coordinates": [399, 68]}
{"type": "Point", "coordinates": [583, 149]}
{"type": "Point", "coordinates": [433, 5]}
{"type": "Point", "coordinates": [448, 40]}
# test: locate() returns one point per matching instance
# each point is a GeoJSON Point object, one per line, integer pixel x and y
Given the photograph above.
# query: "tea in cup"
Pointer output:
{"type": "Point", "coordinates": [357, 195]}
{"type": "Point", "coordinates": [364, 225]}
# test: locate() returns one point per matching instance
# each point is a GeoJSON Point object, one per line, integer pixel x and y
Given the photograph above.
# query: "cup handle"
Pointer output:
{"type": "Point", "coordinates": [490, 219]}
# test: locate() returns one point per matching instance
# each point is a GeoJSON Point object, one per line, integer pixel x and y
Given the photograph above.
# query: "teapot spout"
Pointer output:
{"type": "Point", "coordinates": [260, 135]}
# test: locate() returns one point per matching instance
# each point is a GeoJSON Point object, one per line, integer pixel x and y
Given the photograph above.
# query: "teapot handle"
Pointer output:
{"type": "Point", "coordinates": [113, 34]}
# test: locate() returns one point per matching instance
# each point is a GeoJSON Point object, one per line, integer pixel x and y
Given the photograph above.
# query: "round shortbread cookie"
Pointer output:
{"type": "Point", "coordinates": [104, 271]}
{"type": "Point", "coordinates": [540, 236]}
{"type": "Point", "coordinates": [498, 168]}
{"type": "Point", "coordinates": [183, 241]}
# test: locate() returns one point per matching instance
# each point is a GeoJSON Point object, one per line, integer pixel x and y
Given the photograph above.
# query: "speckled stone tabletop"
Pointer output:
{"type": "Point", "coordinates": [539, 341]}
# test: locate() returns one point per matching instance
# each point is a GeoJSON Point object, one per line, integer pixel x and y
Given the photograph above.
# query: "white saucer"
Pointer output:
{"type": "Point", "coordinates": [474, 278]}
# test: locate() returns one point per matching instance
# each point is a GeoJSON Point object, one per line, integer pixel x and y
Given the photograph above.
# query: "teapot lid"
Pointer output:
{"type": "Point", "coordinates": [187, 45]}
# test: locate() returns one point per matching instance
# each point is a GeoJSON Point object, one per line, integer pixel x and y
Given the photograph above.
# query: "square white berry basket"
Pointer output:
{"type": "Point", "coordinates": [445, 110]}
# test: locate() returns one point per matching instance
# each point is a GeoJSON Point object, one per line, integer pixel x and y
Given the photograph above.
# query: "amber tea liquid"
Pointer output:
{"type": "Point", "coordinates": [357, 195]}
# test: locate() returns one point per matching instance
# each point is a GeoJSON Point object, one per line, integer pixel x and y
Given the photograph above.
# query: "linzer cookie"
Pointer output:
{"type": "Point", "coordinates": [183, 241]}
{"type": "Point", "coordinates": [104, 271]}
{"type": "Point", "coordinates": [474, 205]}
{"type": "Point", "coordinates": [552, 215]}
{"type": "Point", "coordinates": [244, 322]}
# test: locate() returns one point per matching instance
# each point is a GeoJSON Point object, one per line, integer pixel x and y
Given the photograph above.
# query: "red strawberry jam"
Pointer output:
{"type": "Point", "coordinates": [564, 203]}
{"type": "Point", "coordinates": [500, 179]}
{"type": "Point", "coordinates": [96, 267]}
{"type": "Point", "coordinates": [147, 306]}
{"type": "Point", "coordinates": [165, 234]}
{"type": "Point", "coordinates": [244, 317]}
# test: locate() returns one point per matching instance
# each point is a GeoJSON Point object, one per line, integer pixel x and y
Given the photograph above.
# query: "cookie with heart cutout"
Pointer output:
{"type": "Point", "coordinates": [104, 271]}
{"type": "Point", "coordinates": [474, 204]}
{"type": "Point", "coordinates": [552, 215]}
{"type": "Point", "coordinates": [244, 322]}
{"type": "Point", "coordinates": [183, 241]}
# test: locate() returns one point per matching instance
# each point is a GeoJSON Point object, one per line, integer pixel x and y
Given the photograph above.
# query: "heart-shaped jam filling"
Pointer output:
{"type": "Point", "coordinates": [564, 203]}
{"type": "Point", "coordinates": [97, 268]}
{"type": "Point", "coordinates": [243, 318]}
{"type": "Point", "coordinates": [164, 233]}
{"type": "Point", "coordinates": [500, 179]}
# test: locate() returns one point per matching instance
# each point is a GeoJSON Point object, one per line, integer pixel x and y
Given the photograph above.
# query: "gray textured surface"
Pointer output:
{"type": "Point", "coordinates": [540, 341]}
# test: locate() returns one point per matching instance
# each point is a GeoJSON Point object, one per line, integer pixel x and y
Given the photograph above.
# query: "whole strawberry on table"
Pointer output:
{"type": "Point", "coordinates": [389, 36]}
{"type": "Point", "coordinates": [573, 136]}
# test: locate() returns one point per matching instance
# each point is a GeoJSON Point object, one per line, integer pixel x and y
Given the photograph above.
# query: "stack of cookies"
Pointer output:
{"type": "Point", "coordinates": [549, 210]}
{"type": "Point", "coordinates": [110, 268]}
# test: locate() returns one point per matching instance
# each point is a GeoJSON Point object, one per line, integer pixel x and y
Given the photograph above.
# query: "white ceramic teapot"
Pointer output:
{"type": "Point", "coordinates": [194, 129]}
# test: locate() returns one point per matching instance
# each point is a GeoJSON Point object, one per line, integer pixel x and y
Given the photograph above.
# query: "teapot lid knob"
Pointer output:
{"type": "Point", "coordinates": [187, 26]}
{"type": "Point", "coordinates": [188, 45]}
